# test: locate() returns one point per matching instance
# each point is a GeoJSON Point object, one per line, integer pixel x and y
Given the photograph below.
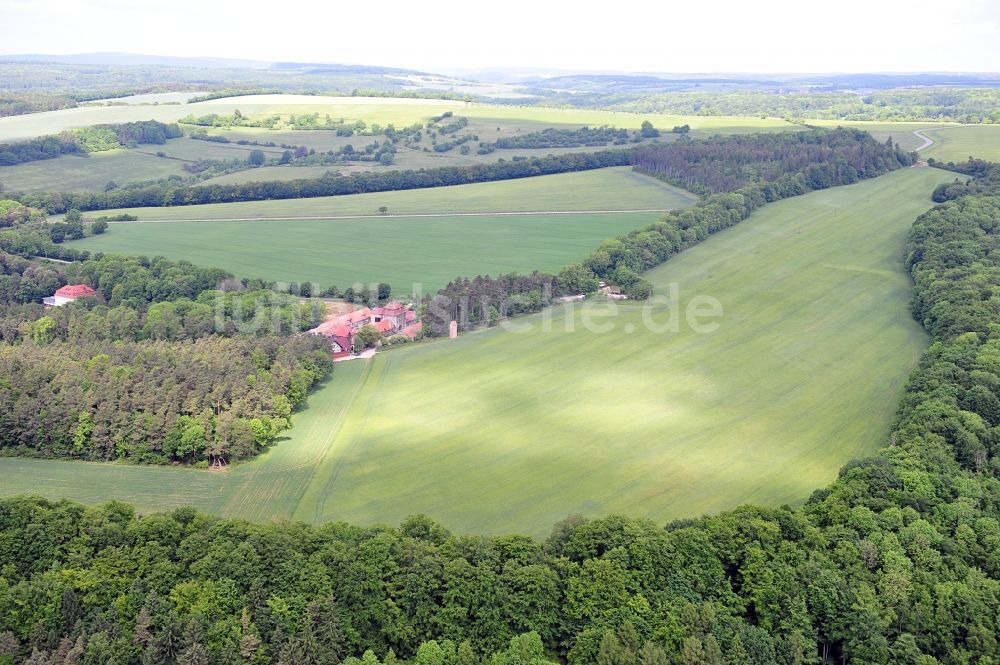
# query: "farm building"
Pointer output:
{"type": "Point", "coordinates": [68, 294]}
{"type": "Point", "coordinates": [394, 318]}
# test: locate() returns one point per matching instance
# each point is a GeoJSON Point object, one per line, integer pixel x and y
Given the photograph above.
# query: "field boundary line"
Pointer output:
{"type": "Point", "coordinates": [287, 218]}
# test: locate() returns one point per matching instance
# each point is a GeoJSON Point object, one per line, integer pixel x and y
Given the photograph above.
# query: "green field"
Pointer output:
{"type": "Point", "coordinates": [900, 132]}
{"type": "Point", "coordinates": [615, 188]}
{"type": "Point", "coordinates": [502, 430]}
{"type": "Point", "coordinates": [73, 173]}
{"type": "Point", "coordinates": [957, 144]}
{"type": "Point", "coordinates": [401, 250]}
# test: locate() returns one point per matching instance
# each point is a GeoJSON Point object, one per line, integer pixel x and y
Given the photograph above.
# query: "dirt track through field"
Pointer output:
{"type": "Point", "coordinates": [928, 141]}
{"type": "Point", "coordinates": [400, 216]}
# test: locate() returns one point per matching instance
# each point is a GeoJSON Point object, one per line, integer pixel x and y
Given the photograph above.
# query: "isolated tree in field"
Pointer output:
{"type": "Point", "coordinates": [99, 227]}
{"type": "Point", "coordinates": [383, 291]}
{"type": "Point", "coordinates": [256, 157]}
{"type": "Point", "coordinates": [647, 131]}
{"type": "Point", "coordinates": [367, 337]}
{"type": "Point", "coordinates": [383, 210]}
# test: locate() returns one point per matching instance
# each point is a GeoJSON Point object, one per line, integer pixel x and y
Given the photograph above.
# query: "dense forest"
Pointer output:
{"type": "Point", "coordinates": [97, 138]}
{"type": "Point", "coordinates": [750, 170]}
{"type": "Point", "coordinates": [210, 400]}
{"type": "Point", "coordinates": [727, 163]}
{"type": "Point", "coordinates": [329, 185]}
{"type": "Point", "coordinates": [559, 138]}
{"type": "Point", "coordinates": [161, 349]}
{"type": "Point", "coordinates": [898, 561]}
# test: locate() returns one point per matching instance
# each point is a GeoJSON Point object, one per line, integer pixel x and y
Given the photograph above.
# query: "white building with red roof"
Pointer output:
{"type": "Point", "coordinates": [68, 294]}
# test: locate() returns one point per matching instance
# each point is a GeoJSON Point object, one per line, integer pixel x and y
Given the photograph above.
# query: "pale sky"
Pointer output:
{"type": "Point", "coordinates": [660, 36]}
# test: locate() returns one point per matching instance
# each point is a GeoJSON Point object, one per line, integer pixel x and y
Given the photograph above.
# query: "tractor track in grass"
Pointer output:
{"type": "Point", "coordinates": [292, 218]}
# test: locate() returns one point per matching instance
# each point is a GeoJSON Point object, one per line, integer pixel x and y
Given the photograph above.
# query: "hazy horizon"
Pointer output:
{"type": "Point", "coordinates": [759, 38]}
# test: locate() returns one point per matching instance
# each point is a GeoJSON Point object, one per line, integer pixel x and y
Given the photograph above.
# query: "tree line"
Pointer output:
{"type": "Point", "coordinates": [937, 104]}
{"type": "Point", "coordinates": [98, 138]}
{"type": "Point", "coordinates": [172, 194]}
{"type": "Point", "coordinates": [559, 138]}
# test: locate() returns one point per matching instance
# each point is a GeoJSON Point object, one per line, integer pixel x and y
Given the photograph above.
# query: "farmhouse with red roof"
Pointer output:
{"type": "Point", "coordinates": [68, 294]}
{"type": "Point", "coordinates": [393, 318]}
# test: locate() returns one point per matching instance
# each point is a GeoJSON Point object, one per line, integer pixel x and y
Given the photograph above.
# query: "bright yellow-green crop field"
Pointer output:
{"type": "Point", "coordinates": [503, 429]}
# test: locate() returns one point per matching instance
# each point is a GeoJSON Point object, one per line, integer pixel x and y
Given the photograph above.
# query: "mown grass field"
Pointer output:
{"type": "Point", "coordinates": [502, 430]}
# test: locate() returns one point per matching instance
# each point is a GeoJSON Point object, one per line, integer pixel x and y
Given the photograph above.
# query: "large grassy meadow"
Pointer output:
{"type": "Point", "coordinates": [514, 429]}
{"type": "Point", "coordinates": [502, 429]}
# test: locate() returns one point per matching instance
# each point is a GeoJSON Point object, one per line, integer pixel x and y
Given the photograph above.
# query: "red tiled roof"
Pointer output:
{"type": "Point", "coordinates": [393, 308]}
{"type": "Point", "coordinates": [75, 291]}
{"type": "Point", "coordinates": [384, 326]}
{"type": "Point", "coordinates": [353, 317]}
{"type": "Point", "coordinates": [411, 331]}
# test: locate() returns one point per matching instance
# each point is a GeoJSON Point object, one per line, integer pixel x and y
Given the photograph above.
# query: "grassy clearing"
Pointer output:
{"type": "Point", "coordinates": [501, 430]}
